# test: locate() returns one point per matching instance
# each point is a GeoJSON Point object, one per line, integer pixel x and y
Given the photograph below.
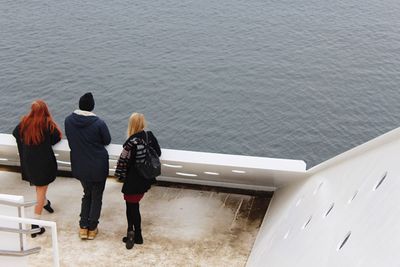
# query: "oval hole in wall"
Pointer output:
{"type": "Point", "coordinates": [211, 173]}
{"type": "Point", "coordinates": [380, 181]}
{"type": "Point", "coordinates": [286, 235]}
{"type": "Point", "coordinates": [299, 201]}
{"type": "Point", "coordinates": [238, 171]}
{"type": "Point", "coordinates": [318, 188]}
{"type": "Point", "coordinates": [307, 223]}
{"type": "Point", "coordinates": [173, 166]}
{"type": "Point", "coordinates": [353, 197]}
{"type": "Point", "coordinates": [330, 209]}
{"type": "Point", "coordinates": [346, 238]}
{"type": "Point", "coordinates": [186, 174]}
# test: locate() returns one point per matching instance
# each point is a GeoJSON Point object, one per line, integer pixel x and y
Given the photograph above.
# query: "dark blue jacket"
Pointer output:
{"type": "Point", "coordinates": [87, 137]}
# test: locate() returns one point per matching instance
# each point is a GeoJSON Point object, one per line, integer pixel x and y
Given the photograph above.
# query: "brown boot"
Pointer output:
{"type": "Point", "coordinates": [83, 233]}
{"type": "Point", "coordinates": [92, 234]}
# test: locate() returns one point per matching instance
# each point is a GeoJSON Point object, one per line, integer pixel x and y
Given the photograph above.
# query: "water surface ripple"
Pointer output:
{"type": "Point", "coordinates": [290, 79]}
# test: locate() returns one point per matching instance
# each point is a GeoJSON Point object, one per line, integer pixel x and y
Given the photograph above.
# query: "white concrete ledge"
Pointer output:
{"type": "Point", "coordinates": [235, 171]}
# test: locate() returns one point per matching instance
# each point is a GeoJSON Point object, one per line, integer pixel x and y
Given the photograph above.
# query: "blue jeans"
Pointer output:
{"type": "Point", "coordinates": [91, 204]}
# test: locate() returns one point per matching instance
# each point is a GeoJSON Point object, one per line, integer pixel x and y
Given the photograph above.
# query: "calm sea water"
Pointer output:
{"type": "Point", "coordinates": [290, 79]}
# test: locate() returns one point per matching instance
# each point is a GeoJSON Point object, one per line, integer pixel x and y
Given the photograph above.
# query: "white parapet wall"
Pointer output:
{"type": "Point", "coordinates": [233, 171]}
{"type": "Point", "coordinates": [345, 213]}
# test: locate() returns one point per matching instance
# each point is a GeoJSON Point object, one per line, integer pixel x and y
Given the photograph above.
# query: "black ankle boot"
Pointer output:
{"type": "Point", "coordinates": [125, 237]}
{"type": "Point", "coordinates": [48, 207]}
{"type": "Point", "coordinates": [42, 230]}
{"type": "Point", "coordinates": [138, 237]}
{"type": "Point", "coordinates": [130, 240]}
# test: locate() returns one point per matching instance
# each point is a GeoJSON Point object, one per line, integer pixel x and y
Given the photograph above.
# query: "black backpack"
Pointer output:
{"type": "Point", "coordinates": [147, 161]}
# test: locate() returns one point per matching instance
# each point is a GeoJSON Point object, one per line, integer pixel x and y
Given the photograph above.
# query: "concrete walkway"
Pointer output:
{"type": "Point", "coordinates": [181, 227]}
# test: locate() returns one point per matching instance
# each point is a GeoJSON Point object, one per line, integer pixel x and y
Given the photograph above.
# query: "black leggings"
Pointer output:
{"type": "Point", "coordinates": [133, 216]}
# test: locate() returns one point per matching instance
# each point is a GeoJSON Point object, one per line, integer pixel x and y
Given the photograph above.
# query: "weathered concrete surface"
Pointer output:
{"type": "Point", "coordinates": [181, 227]}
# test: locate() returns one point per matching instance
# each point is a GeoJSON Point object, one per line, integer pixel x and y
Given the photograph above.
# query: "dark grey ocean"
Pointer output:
{"type": "Point", "coordinates": [275, 78]}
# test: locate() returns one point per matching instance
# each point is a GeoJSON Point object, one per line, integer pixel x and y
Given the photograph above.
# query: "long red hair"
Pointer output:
{"type": "Point", "coordinates": [34, 124]}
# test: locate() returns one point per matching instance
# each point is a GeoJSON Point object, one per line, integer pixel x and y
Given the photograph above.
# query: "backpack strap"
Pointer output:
{"type": "Point", "coordinates": [147, 138]}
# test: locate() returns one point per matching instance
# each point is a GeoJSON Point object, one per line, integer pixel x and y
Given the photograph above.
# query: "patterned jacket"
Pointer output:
{"type": "Point", "coordinates": [132, 152]}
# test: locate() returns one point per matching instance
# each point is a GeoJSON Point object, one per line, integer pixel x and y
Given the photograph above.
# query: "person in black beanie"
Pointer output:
{"type": "Point", "coordinates": [86, 102]}
{"type": "Point", "coordinates": [87, 137]}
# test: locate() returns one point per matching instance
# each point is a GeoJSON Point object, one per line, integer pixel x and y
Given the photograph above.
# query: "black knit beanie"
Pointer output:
{"type": "Point", "coordinates": [86, 102]}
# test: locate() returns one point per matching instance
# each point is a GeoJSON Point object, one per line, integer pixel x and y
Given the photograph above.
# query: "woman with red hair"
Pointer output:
{"type": "Point", "coordinates": [35, 135]}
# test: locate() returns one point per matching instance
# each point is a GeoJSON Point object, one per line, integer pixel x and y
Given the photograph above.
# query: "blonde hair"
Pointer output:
{"type": "Point", "coordinates": [136, 123]}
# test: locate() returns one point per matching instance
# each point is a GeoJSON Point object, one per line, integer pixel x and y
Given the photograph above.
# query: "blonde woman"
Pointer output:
{"type": "Point", "coordinates": [135, 185]}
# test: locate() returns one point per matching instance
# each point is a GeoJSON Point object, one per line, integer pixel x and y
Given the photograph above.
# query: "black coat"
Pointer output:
{"type": "Point", "coordinates": [87, 137]}
{"type": "Point", "coordinates": [38, 163]}
{"type": "Point", "coordinates": [135, 183]}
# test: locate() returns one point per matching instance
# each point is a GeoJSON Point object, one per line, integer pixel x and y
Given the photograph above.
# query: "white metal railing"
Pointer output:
{"type": "Point", "coordinates": [52, 225]}
{"type": "Point", "coordinates": [16, 204]}
{"type": "Point", "coordinates": [22, 251]}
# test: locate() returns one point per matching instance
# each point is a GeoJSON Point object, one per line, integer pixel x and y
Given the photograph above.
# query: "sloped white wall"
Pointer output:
{"type": "Point", "coordinates": [356, 193]}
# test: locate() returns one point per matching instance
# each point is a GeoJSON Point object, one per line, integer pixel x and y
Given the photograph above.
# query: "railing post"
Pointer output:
{"type": "Point", "coordinates": [54, 241]}
{"type": "Point", "coordinates": [21, 239]}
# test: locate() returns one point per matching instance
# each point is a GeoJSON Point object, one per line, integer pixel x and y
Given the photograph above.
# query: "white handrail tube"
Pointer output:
{"type": "Point", "coordinates": [52, 225]}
